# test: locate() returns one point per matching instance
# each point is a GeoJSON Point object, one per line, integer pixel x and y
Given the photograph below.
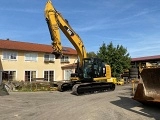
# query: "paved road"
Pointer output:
{"type": "Point", "coordinates": [115, 105]}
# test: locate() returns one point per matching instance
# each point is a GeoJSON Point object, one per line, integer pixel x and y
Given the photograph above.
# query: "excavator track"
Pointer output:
{"type": "Point", "coordinates": [64, 86]}
{"type": "Point", "coordinates": [85, 88]}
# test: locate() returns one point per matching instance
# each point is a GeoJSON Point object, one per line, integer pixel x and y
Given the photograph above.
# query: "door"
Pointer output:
{"type": "Point", "coordinates": [67, 74]}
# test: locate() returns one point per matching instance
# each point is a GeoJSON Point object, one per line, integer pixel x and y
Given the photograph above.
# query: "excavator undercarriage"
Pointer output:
{"type": "Point", "coordinates": [93, 87]}
{"type": "Point", "coordinates": [79, 88]}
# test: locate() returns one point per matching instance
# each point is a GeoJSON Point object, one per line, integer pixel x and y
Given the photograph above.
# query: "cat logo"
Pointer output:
{"type": "Point", "coordinates": [69, 31]}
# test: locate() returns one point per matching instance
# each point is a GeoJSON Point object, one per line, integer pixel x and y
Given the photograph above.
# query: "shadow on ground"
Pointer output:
{"type": "Point", "coordinates": [136, 107]}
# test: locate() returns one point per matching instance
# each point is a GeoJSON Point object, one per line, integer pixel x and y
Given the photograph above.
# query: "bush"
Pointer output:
{"type": "Point", "coordinates": [29, 86]}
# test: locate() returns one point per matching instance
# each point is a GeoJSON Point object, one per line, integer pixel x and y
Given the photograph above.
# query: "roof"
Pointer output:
{"type": "Point", "coordinates": [34, 47]}
{"type": "Point", "coordinates": [156, 57]}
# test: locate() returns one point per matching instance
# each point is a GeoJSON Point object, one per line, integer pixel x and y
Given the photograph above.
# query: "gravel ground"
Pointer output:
{"type": "Point", "coordinates": [115, 105]}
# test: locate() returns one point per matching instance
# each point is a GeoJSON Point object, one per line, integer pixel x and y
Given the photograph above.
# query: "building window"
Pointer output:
{"type": "Point", "coordinates": [9, 75]}
{"type": "Point", "coordinates": [31, 57]}
{"type": "Point", "coordinates": [64, 59]}
{"type": "Point", "coordinates": [49, 75]}
{"type": "Point", "coordinates": [29, 75]}
{"type": "Point", "coordinates": [49, 58]}
{"type": "Point", "coordinates": [9, 55]}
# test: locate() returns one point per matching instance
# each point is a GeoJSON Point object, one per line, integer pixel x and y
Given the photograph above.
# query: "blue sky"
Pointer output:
{"type": "Point", "coordinates": [135, 24]}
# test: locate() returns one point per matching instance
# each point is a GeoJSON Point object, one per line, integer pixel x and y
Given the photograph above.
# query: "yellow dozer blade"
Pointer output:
{"type": "Point", "coordinates": [148, 90]}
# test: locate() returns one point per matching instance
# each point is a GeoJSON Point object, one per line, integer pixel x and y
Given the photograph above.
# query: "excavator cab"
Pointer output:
{"type": "Point", "coordinates": [92, 68]}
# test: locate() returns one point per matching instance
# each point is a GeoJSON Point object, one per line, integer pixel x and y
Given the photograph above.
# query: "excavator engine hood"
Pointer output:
{"type": "Point", "coordinates": [148, 90]}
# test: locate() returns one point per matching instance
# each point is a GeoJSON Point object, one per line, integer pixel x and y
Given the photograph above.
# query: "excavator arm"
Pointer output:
{"type": "Point", "coordinates": [55, 21]}
{"type": "Point", "coordinates": [51, 19]}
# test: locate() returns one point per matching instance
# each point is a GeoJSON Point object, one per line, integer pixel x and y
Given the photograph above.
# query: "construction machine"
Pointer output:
{"type": "Point", "coordinates": [148, 88]}
{"type": "Point", "coordinates": [91, 74]}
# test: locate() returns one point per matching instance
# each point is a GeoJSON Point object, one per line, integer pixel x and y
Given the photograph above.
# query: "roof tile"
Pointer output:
{"type": "Point", "coordinates": [34, 47]}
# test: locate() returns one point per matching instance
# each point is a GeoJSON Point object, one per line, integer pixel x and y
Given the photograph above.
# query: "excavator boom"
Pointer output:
{"type": "Point", "coordinates": [55, 21]}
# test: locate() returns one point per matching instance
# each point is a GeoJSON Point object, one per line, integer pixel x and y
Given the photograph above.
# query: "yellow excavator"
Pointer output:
{"type": "Point", "coordinates": [91, 74]}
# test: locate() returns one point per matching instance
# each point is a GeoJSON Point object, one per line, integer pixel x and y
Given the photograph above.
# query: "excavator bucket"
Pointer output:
{"type": "Point", "coordinates": [148, 90]}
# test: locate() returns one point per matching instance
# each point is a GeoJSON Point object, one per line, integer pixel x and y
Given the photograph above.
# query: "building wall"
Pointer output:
{"type": "Point", "coordinates": [20, 65]}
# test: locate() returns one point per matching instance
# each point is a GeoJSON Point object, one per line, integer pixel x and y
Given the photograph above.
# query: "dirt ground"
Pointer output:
{"type": "Point", "coordinates": [115, 105]}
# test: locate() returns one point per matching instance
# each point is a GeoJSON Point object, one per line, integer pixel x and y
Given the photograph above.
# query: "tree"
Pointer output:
{"type": "Point", "coordinates": [117, 57]}
{"type": "Point", "coordinates": [91, 54]}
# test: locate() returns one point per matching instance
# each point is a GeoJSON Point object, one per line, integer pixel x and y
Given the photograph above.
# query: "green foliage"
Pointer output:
{"type": "Point", "coordinates": [33, 86]}
{"type": "Point", "coordinates": [91, 54]}
{"type": "Point", "coordinates": [117, 57]}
